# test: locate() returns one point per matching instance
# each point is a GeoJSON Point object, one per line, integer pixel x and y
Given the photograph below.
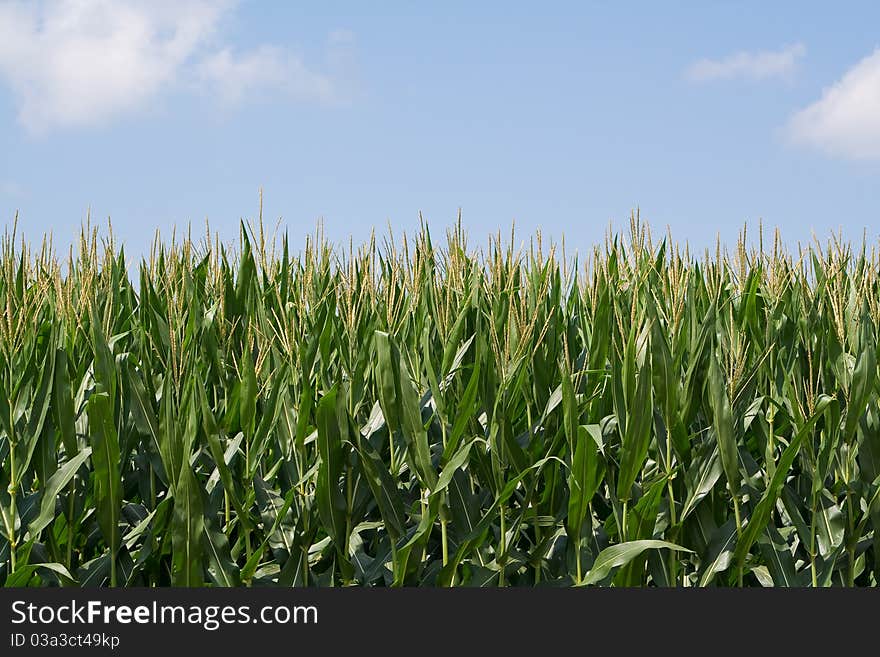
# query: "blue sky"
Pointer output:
{"type": "Point", "coordinates": [562, 116]}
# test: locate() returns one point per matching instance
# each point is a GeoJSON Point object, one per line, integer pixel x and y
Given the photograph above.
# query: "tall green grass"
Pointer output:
{"type": "Point", "coordinates": [416, 413]}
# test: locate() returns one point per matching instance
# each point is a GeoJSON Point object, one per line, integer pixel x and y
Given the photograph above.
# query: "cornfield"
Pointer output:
{"type": "Point", "coordinates": [407, 414]}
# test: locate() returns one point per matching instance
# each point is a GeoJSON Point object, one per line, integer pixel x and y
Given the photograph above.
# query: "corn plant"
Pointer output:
{"type": "Point", "coordinates": [410, 414]}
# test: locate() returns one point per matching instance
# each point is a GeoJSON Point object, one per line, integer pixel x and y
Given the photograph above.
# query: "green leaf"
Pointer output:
{"type": "Point", "coordinates": [105, 460]}
{"type": "Point", "coordinates": [22, 576]}
{"type": "Point", "coordinates": [58, 481]}
{"type": "Point", "coordinates": [719, 553]}
{"type": "Point", "coordinates": [187, 529]}
{"type": "Point", "coordinates": [387, 386]}
{"type": "Point", "coordinates": [384, 491]}
{"type": "Point", "coordinates": [722, 424]}
{"type": "Point", "coordinates": [584, 479]}
{"type": "Point", "coordinates": [221, 567]}
{"type": "Point", "coordinates": [863, 378]}
{"type": "Point", "coordinates": [209, 426]}
{"type": "Point", "coordinates": [621, 554]}
{"type": "Point", "coordinates": [331, 502]}
{"type": "Point", "coordinates": [248, 394]}
{"type": "Point", "coordinates": [761, 515]}
{"type": "Point", "coordinates": [401, 407]}
{"type": "Point", "coordinates": [637, 434]}
{"type": "Point", "coordinates": [701, 477]}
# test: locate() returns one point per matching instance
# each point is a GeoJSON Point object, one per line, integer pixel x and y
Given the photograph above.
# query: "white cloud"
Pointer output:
{"type": "Point", "coordinates": [235, 77]}
{"type": "Point", "coordinates": [758, 65]}
{"type": "Point", "coordinates": [76, 62]}
{"type": "Point", "coordinates": [845, 121]}
{"type": "Point", "coordinates": [81, 62]}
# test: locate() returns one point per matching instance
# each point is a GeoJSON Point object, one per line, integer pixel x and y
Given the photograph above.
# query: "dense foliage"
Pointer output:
{"type": "Point", "coordinates": [407, 414]}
